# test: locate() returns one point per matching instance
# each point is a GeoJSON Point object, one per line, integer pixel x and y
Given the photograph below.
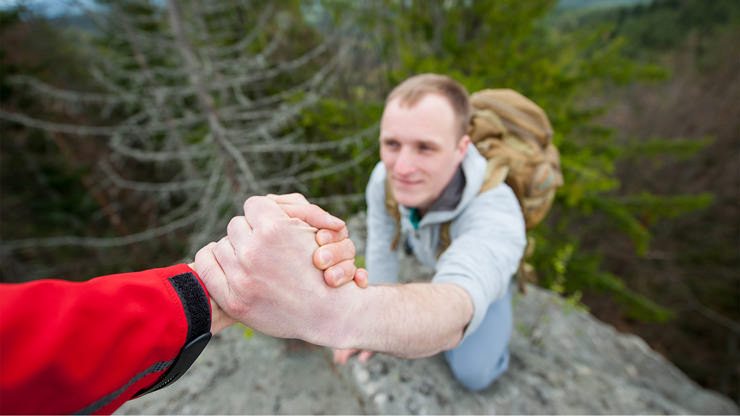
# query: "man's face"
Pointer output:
{"type": "Point", "coordinates": [420, 149]}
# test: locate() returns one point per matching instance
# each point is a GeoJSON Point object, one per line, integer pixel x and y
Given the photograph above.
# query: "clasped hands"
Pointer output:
{"type": "Point", "coordinates": [282, 270]}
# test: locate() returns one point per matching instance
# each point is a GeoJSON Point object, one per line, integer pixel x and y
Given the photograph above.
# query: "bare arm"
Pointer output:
{"type": "Point", "coordinates": [412, 320]}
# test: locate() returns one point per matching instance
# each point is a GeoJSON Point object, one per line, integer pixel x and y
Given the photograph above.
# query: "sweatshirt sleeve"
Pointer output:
{"type": "Point", "coordinates": [381, 262]}
{"type": "Point", "coordinates": [488, 240]}
{"type": "Point", "coordinates": [87, 347]}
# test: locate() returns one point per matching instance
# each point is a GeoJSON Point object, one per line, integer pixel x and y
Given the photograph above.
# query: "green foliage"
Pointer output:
{"type": "Point", "coordinates": [43, 194]}
{"type": "Point", "coordinates": [334, 120]}
{"type": "Point", "coordinates": [360, 261]}
{"type": "Point", "coordinates": [570, 268]}
{"type": "Point", "coordinates": [650, 208]}
{"type": "Point", "coordinates": [559, 65]}
{"type": "Point", "coordinates": [573, 303]}
{"type": "Point", "coordinates": [651, 148]}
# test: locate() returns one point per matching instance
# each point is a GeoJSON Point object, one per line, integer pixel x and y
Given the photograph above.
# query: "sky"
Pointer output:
{"type": "Point", "coordinates": [49, 8]}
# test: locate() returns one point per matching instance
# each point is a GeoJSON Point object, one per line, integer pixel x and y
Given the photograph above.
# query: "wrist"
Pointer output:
{"type": "Point", "coordinates": [354, 328]}
{"type": "Point", "coordinates": [219, 318]}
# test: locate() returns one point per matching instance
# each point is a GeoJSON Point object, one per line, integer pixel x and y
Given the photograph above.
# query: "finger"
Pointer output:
{"type": "Point", "coordinates": [211, 273]}
{"type": "Point", "coordinates": [340, 274]}
{"type": "Point", "coordinates": [337, 356]}
{"type": "Point", "coordinates": [294, 198]}
{"type": "Point", "coordinates": [226, 256]}
{"type": "Point", "coordinates": [333, 254]}
{"type": "Point", "coordinates": [341, 356]}
{"type": "Point", "coordinates": [325, 236]}
{"type": "Point", "coordinates": [362, 279]}
{"type": "Point", "coordinates": [260, 210]}
{"type": "Point", "coordinates": [364, 356]}
{"type": "Point", "coordinates": [239, 232]}
{"type": "Point", "coordinates": [313, 215]}
{"type": "Point", "coordinates": [234, 273]}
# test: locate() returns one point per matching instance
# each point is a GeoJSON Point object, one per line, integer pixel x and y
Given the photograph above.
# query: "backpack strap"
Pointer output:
{"type": "Point", "coordinates": [391, 207]}
{"type": "Point", "coordinates": [444, 238]}
{"type": "Point", "coordinates": [525, 272]}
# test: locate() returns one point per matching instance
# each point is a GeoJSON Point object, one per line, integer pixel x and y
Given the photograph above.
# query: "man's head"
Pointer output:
{"type": "Point", "coordinates": [423, 137]}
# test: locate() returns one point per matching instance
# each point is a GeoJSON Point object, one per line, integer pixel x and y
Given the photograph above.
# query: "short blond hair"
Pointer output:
{"type": "Point", "coordinates": [413, 89]}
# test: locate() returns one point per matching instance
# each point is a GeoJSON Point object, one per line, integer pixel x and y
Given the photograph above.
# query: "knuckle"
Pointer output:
{"type": "Point", "coordinates": [251, 201]}
{"type": "Point", "coordinates": [343, 233]}
{"type": "Point", "coordinates": [268, 230]}
{"type": "Point", "coordinates": [348, 271]}
{"type": "Point", "coordinates": [231, 226]}
{"type": "Point", "coordinates": [202, 254]}
{"type": "Point", "coordinates": [299, 197]}
{"type": "Point", "coordinates": [220, 252]}
{"type": "Point", "coordinates": [350, 247]}
{"type": "Point", "coordinates": [337, 236]}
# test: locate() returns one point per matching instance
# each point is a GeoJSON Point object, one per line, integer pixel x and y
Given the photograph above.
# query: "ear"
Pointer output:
{"type": "Point", "coordinates": [462, 148]}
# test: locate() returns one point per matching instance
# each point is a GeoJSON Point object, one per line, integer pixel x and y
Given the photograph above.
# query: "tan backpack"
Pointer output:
{"type": "Point", "coordinates": [515, 136]}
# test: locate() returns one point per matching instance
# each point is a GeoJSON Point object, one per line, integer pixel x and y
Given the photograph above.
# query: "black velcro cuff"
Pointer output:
{"type": "Point", "coordinates": [198, 313]}
{"type": "Point", "coordinates": [194, 302]}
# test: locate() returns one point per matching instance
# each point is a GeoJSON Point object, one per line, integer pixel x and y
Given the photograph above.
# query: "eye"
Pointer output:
{"type": "Point", "coordinates": [425, 148]}
{"type": "Point", "coordinates": [391, 143]}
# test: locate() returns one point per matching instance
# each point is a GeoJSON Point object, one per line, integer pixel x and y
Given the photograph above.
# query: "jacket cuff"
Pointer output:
{"type": "Point", "coordinates": [197, 308]}
{"type": "Point", "coordinates": [195, 302]}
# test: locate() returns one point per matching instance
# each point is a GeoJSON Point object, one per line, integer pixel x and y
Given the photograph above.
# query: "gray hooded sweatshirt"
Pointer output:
{"type": "Point", "coordinates": [487, 232]}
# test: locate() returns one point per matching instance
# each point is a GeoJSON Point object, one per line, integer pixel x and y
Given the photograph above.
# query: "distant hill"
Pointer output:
{"type": "Point", "coordinates": [598, 4]}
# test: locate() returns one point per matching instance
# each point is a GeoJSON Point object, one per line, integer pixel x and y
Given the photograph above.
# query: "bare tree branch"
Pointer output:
{"type": "Point", "coordinates": [199, 122]}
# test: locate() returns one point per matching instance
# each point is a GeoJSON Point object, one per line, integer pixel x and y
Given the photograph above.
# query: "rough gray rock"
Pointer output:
{"type": "Point", "coordinates": [562, 361]}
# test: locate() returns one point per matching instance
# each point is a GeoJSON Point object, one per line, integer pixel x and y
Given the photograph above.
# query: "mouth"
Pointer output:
{"type": "Point", "coordinates": [405, 182]}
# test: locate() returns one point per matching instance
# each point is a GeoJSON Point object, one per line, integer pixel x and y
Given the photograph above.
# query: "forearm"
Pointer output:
{"type": "Point", "coordinates": [411, 321]}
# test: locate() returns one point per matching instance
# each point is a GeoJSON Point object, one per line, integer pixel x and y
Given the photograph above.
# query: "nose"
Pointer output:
{"type": "Point", "coordinates": [404, 163]}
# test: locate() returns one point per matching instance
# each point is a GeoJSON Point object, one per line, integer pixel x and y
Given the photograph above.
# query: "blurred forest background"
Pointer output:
{"type": "Point", "coordinates": [132, 130]}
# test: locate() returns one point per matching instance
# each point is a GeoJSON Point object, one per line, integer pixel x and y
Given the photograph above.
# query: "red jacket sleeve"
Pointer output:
{"type": "Point", "coordinates": [70, 347]}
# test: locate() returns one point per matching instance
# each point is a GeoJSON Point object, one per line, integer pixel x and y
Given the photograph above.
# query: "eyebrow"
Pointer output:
{"type": "Point", "coordinates": [426, 142]}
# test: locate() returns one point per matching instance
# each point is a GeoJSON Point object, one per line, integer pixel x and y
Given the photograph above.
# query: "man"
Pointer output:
{"type": "Point", "coordinates": [435, 176]}
{"type": "Point", "coordinates": [71, 347]}
{"type": "Point", "coordinates": [262, 274]}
